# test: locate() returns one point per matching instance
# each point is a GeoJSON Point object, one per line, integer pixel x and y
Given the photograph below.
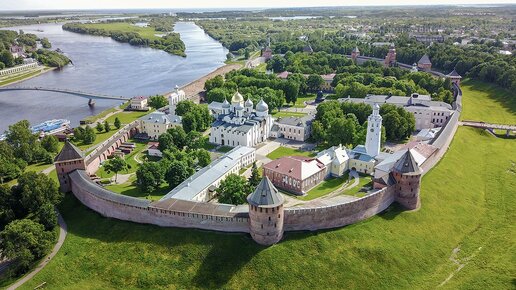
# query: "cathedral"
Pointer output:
{"type": "Point", "coordinates": [238, 123]}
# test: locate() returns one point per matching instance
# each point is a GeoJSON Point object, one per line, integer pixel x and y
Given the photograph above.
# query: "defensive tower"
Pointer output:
{"type": "Point", "coordinates": [69, 159]}
{"type": "Point", "coordinates": [266, 213]}
{"type": "Point", "coordinates": [407, 174]}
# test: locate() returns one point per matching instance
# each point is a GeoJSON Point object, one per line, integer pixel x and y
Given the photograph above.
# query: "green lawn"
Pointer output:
{"type": "Point", "coordinates": [131, 189]}
{"type": "Point", "coordinates": [467, 202]}
{"type": "Point", "coordinates": [282, 114]}
{"type": "Point", "coordinates": [129, 158]}
{"type": "Point", "coordinates": [224, 149]}
{"type": "Point", "coordinates": [325, 187]}
{"type": "Point", "coordinates": [92, 119]}
{"type": "Point", "coordinates": [300, 102]}
{"type": "Point", "coordinates": [286, 151]}
{"type": "Point", "coordinates": [487, 103]}
{"type": "Point", "coordinates": [363, 181]}
{"type": "Point", "coordinates": [126, 117]}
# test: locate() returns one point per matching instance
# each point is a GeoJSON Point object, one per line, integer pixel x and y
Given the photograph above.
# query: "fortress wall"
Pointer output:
{"type": "Point", "coordinates": [137, 210]}
{"type": "Point", "coordinates": [338, 215]}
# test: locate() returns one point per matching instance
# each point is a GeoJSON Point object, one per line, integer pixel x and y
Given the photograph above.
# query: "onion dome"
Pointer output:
{"type": "Point", "coordinates": [262, 106]}
{"type": "Point", "coordinates": [249, 103]}
{"type": "Point", "coordinates": [225, 104]}
{"type": "Point", "coordinates": [237, 98]}
{"type": "Point", "coordinates": [239, 107]}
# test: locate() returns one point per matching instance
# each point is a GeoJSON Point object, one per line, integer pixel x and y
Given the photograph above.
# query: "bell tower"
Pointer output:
{"type": "Point", "coordinates": [374, 132]}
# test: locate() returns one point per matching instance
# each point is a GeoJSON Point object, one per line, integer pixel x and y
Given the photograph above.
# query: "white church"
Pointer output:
{"type": "Point", "coordinates": [238, 123]}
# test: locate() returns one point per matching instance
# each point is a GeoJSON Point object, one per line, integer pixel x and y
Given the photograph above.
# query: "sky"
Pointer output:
{"type": "Point", "coordinates": [176, 4]}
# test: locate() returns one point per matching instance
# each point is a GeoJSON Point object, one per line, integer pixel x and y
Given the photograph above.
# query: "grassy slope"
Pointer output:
{"type": "Point", "coordinates": [466, 202]}
{"type": "Point", "coordinates": [488, 103]}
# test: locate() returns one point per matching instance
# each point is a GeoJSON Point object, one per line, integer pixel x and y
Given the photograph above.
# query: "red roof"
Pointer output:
{"type": "Point", "coordinates": [139, 98]}
{"type": "Point", "coordinates": [298, 167]}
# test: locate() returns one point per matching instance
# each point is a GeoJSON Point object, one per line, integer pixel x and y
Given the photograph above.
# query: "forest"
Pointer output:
{"type": "Point", "coordinates": [336, 35]}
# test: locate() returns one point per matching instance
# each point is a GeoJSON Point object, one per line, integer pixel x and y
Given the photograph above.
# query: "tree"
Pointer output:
{"type": "Point", "coordinates": [45, 43]}
{"type": "Point", "coordinates": [190, 122]}
{"type": "Point", "coordinates": [22, 141]}
{"type": "Point", "coordinates": [314, 82]}
{"type": "Point", "coordinates": [25, 241]}
{"type": "Point", "coordinates": [217, 95]}
{"type": "Point", "coordinates": [165, 141]}
{"type": "Point", "coordinates": [117, 123]}
{"type": "Point", "coordinates": [158, 101]}
{"type": "Point", "coordinates": [47, 216]}
{"type": "Point", "coordinates": [115, 165]}
{"type": "Point", "coordinates": [276, 64]}
{"type": "Point", "coordinates": [34, 190]}
{"type": "Point", "coordinates": [233, 190]}
{"type": "Point", "coordinates": [177, 172]}
{"type": "Point", "coordinates": [50, 143]}
{"type": "Point", "coordinates": [203, 157]}
{"type": "Point", "coordinates": [216, 82]}
{"type": "Point", "coordinates": [342, 131]}
{"type": "Point", "coordinates": [99, 127]}
{"type": "Point", "coordinates": [149, 176]}
{"type": "Point", "coordinates": [194, 140]}
{"type": "Point", "coordinates": [7, 204]}
{"type": "Point", "coordinates": [88, 136]}
{"type": "Point", "coordinates": [7, 58]}
{"type": "Point", "coordinates": [107, 127]}
{"type": "Point", "coordinates": [255, 178]}
{"type": "Point", "coordinates": [184, 107]}
{"type": "Point", "coordinates": [179, 136]}
{"type": "Point", "coordinates": [318, 131]}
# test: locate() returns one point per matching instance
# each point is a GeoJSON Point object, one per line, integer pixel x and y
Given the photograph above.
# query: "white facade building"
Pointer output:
{"type": "Point", "coordinates": [202, 185]}
{"type": "Point", "coordinates": [174, 98]}
{"type": "Point", "coordinates": [427, 113]}
{"type": "Point", "coordinates": [155, 124]}
{"type": "Point", "coordinates": [139, 103]}
{"type": "Point", "coordinates": [238, 124]}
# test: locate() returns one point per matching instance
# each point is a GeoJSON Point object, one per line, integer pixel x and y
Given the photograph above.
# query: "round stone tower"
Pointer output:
{"type": "Point", "coordinates": [266, 213]}
{"type": "Point", "coordinates": [407, 174]}
{"type": "Point", "coordinates": [69, 159]}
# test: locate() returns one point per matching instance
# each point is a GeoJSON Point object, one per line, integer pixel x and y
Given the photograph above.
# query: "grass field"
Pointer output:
{"type": "Point", "coordinates": [488, 103]}
{"type": "Point", "coordinates": [131, 189]}
{"type": "Point", "coordinates": [467, 203]}
{"type": "Point", "coordinates": [129, 158]}
{"type": "Point", "coordinates": [286, 151]}
{"type": "Point", "coordinates": [22, 76]}
{"type": "Point", "coordinates": [282, 114]}
{"type": "Point", "coordinates": [145, 32]}
{"type": "Point", "coordinates": [325, 187]}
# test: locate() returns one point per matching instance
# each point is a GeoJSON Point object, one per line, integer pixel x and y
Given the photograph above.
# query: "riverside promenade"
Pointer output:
{"type": "Point", "coordinates": [194, 89]}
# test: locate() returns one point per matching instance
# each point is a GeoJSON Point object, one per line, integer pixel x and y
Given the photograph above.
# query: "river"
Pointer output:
{"type": "Point", "coordinates": [102, 65]}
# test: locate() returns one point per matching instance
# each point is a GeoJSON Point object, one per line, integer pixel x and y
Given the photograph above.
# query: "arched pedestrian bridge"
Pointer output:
{"type": "Point", "coordinates": [88, 95]}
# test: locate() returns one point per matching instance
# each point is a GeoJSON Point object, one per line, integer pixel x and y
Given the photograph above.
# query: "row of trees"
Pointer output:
{"type": "Point", "coordinates": [182, 154]}
{"type": "Point", "coordinates": [346, 123]}
{"type": "Point", "coordinates": [27, 220]}
{"type": "Point", "coordinates": [21, 148]}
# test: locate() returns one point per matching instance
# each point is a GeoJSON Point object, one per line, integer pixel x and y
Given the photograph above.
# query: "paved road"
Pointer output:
{"type": "Point", "coordinates": [63, 230]}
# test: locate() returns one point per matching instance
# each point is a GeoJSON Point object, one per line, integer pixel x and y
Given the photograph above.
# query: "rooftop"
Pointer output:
{"type": "Point", "coordinates": [69, 152]}
{"type": "Point", "coordinates": [265, 195]}
{"type": "Point", "coordinates": [205, 177]}
{"type": "Point", "coordinates": [298, 167]}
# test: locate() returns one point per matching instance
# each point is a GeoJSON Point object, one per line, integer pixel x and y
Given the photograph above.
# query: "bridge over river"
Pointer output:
{"type": "Point", "coordinates": [91, 96]}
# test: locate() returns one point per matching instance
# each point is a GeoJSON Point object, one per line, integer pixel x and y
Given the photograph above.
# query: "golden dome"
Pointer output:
{"type": "Point", "coordinates": [237, 98]}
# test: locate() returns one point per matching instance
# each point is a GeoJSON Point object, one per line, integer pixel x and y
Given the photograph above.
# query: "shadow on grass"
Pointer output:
{"type": "Point", "coordinates": [496, 93]}
{"type": "Point", "coordinates": [225, 255]}
{"type": "Point", "coordinates": [392, 211]}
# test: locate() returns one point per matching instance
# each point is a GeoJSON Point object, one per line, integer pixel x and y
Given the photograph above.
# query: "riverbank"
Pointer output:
{"type": "Point", "coordinates": [18, 78]}
{"type": "Point", "coordinates": [194, 89]}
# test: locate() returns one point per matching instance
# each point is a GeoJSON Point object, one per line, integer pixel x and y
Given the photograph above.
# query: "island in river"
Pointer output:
{"type": "Point", "coordinates": [102, 65]}
{"type": "Point", "coordinates": [156, 32]}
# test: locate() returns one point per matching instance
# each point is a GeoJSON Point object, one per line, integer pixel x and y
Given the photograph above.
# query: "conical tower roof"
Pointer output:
{"type": "Point", "coordinates": [424, 59]}
{"type": "Point", "coordinates": [265, 195]}
{"type": "Point", "coordinates": [356, 49]}
{"type": "Point", "coordinates": [454, 73]}
{"type": "Point", "coordinates": [69, 152]}
{"type": "Point", "coordinates": [407, 164]}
